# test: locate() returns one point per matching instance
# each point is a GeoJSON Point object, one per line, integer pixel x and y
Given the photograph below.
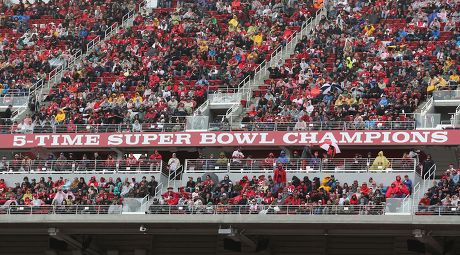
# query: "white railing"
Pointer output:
{"type": "Point", "coordinates": [446, 94]}
{"type": "Point", "coordinates": [427, 106]}
{"type": "Point", "coordinates": [202, 123]}
{"type": "Point", "coordinates": [202, 108]}
{"type": "Point", "coordinates": [224, 98]}
{"type": "Point", "coordinates": [320, 125]}
{"type": "Point", "coordinates": [306, 209]}
{"type": "Point", "coordinates": [35, 128]}
{"type": "Point", "coordinates": [175, 177]}
{"type": "Point", "coordinates": [61, 209]}
{"type": "Point", "coordinates": [440, 210]}
{"type": "Point", "coordinates": [307, 165]}
{"type": "Point", "coordinates": [79, 166]}
{"type": "Point", "coordinates": [261, 209]}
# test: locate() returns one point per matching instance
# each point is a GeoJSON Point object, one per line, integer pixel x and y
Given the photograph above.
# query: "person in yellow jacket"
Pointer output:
{"type": "Point", "coordinates": [369, 29]}
{"type": "Point", "coordinates": [60, 117]}
{"type": "Point", "coordinates": [380, 162]}
{"type": "Point", "coordinates": [350, 62]}
{"type": "Point", "coordinates": [257, 39]}
{"type": "Point", "coordinates": [339, 101]}
{"type": "Point", "coordinates": [325, 184]}
{"type": "Point", "coordinates": [454, 78]}
{"type": "Point", "coordinates": [233, 24]}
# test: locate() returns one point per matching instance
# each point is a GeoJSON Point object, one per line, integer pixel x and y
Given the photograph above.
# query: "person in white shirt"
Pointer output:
{"type": "Point", "coordinates": [237, 156]}
{"type": "Point", "coordinates": [173, 165]}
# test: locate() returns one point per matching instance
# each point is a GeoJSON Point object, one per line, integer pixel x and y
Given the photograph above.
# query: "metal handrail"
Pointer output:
{"type": "Point", "coordinates": [324, 125]}
{"type": "Point", "coordinates": [305, 165]}
{"type": "Point", "coordinates": [61, 209]}
{"type": "Point", "coordinates": [253, 208]}
{"type": "Point", "coordinates": [440, 210]}
{"type": "Point", "coordinates": [35, 128]}
{"type": "Point", "coordinates": [65, 166]}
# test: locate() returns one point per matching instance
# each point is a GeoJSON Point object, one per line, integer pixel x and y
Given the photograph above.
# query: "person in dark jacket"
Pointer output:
{"type": "Point", "coordinates": [427, 164]}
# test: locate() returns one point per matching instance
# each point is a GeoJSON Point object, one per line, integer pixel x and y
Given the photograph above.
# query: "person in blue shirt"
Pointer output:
{"type": "Point", "coordinates": [455, 177]}
{"type": "Point", "coordinates": [435, 34]}
{"type": "Point", "coordinates": [408, 183]}
{"type": "Point", "coordinates": [383, 101]}
{"type": "Point", "coordinates": [402, 34]}
{"type": "Point", "coordinates": [283, 159]}
{"type": "Point", "coordinates": [328, 98]}
{"type": "Point", "coordinates": [202, 82]}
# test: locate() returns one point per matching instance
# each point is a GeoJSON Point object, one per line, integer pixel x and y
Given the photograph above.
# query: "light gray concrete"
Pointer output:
{"type": "Point", "coordinates": [234, 219]}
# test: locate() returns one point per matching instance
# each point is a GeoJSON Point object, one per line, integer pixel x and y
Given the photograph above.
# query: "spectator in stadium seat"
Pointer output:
{"type": "Point", "coordinates": [283, 158]}
{"type": "Point", "coordinates": [455, 177]}
{"type": "Point", "coordinates": [408, 183]}
{"type": "Point", "coordinates": [269, 161]}
{"type": "Point", "coordinates": [381, 162]}
{"type": "Point", "coordinates": [237, 156]}
{"type": "Point", "coordinates": [190, 185]}
{"type": "Point", "coordinates": [450, 169]}
{"type": "Point", "coordinates": [222, 161]}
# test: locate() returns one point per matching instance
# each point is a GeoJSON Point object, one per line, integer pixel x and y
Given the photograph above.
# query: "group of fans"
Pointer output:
{"type": "Point", "coordinates": [77, 191]}
{"type": "Point", "coordinates": [275, 191]}
{"type": "Point", "coordinates": [368, 64]}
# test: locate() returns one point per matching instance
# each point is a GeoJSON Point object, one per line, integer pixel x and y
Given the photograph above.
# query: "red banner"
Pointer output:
{"type": "Point", "coordinates": [271, 138]}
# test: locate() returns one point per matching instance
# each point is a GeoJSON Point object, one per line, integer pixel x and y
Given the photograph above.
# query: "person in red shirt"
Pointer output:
{"type": "Point", "coordinates": [279, 177]}
{"type": "Point", "coordinates": [155, 159]}
{"type": "Point", "coordinates": [170, 197]}
{"type": "Point", "coordinates": [364, 190]}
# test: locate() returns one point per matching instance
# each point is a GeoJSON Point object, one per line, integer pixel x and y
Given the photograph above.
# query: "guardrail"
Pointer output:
{"type": "Point", "coordinates": [254, 208]}
{"type": "Point", "coordinates": [212, 126]}
{"type": "Point", "coordinates": [447, 210]}
{"type": "Point", "coordinates": [92, 128]}
{"type": "Point", "coordinates": [61, 209]}
{"type": "Point", "coordinates": [306, 165]}
{"type": "Point", "coordinates": [319, 125]}
{"type": "Point", "coordinates": [79, 166]}
{"type": "Point", "coordinates": [446, 95]}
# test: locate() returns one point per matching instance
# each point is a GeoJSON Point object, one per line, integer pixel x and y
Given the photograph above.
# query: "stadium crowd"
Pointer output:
{"type": "Point", "coordinates": [161, 69]}
{"type": "Point", "coordinates": [369, 63]}
{"type": "Point", "coordinates": [38, 36]}
{"type": "Point", "coordinates": [78, 191]}
{"type": "Point", "coordinates": [443, 195]}
{"type": "Point", "coordinates": [275, 190]}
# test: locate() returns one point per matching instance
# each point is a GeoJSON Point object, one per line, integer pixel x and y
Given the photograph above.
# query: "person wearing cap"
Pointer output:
{"type": "Point", "coordinates": [283, 159]}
